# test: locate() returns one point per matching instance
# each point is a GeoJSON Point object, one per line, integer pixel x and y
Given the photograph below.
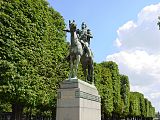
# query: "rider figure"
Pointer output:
{"type": "Point", "coordinates": [89, 36]}
{"type": "Point", "coordinates": [85, 36]}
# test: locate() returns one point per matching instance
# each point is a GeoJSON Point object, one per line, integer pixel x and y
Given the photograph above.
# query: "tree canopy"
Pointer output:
{"type": "Point", "coordinates": [104, 86]}
{"type": "Point", "coordinates": [32, 51]}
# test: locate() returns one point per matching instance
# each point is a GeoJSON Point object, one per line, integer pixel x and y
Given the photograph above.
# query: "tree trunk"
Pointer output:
{"type": "Point", "coordinates": [30, 114]}
{"type": "Point", "coordinates": [17, 110]}
{"type": "Point", "coordinates": [54, 113]}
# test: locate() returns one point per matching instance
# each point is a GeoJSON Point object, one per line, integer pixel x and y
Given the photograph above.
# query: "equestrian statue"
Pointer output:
{"type": "Point", "coordinates": [80, 51]}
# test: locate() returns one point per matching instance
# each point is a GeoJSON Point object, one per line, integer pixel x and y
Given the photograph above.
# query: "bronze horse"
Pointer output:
{"type": "Point", "coordinates": [78, 54]}
{"type": "Point", "coordinates": [87, 67]}
{"type": "Point", "coordinates": [75, 50]}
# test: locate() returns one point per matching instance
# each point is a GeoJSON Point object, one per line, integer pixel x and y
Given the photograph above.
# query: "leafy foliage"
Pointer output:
{"type": "Point", "coordinates": [125, 93]}
{"type": "Point", "coordinates": [134, 106]}
{"type": "Point", "coordinates": [113, 67]}
{"type": "Point", "coordinates": [140, 107]}
{"type": "Point", "coordinates": [104, 85]}
{"type": "Point", "coordinates": [32, 50]}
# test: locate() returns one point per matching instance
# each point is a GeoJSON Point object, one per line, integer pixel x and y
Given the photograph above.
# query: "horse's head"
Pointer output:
{"type": "Point", "coordinates": [72, 26]}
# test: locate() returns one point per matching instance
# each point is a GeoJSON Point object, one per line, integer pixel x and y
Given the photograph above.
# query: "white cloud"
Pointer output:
{"type": "Point", "coordinates": [128, 26]}
{"type": "Point", "coordinates": [155, 95]}
{"type": "Point", "coordinates": [139, 58]}
{"type": "Point", "coordinates": [148, 13]}
{"type": "Point", "coordinates": [118, 43]}
{"type": "Point", "coordinates": [143, 33]}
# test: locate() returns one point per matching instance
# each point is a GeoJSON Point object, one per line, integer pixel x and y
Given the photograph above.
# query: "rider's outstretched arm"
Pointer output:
{"type": "Point", "coordinates": [66, 30]}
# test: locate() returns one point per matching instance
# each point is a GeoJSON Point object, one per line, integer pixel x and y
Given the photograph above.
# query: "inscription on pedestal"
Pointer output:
{"type": "Point", "coordinates": [84, 95]}
{"type": "Point", "coordinates": [79, 94]}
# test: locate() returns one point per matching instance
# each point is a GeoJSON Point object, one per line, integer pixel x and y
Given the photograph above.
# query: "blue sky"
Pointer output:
{"type": "Point", "coordinates": [126, 32]}
{"type": "Point", "coordinates": [103, 17]}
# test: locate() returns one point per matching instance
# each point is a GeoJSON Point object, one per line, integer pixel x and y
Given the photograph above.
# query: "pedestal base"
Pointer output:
{"type": "Point", "coordinates": [78, 100]}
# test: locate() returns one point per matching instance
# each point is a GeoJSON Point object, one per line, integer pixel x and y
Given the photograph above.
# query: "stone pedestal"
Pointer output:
{"type": "Point", "coordinates": [78, 100]}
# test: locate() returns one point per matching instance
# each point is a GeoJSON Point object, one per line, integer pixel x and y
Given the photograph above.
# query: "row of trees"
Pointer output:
{"type": "Point", "coordinates": [33, 48]}
{"type": "Point", "coordinates": [117, 99]}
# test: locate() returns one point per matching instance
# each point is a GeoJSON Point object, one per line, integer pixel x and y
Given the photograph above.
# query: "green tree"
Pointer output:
{"type": "Point", "coordinates": [117, 102]}
{"type": "Point", "coordinates": [147, 107]}
{"type": "Point", "coordinates": [142, 105]}
{"type": "Point", "coordinates": [134, 108]}
{"type": "Point", "coordinates": [125, 94]}
{"type": "Point", "coordinates": [5, 107]}
{"type": "Point", "coordinates": [32, 50]}
{"type": "Point", "coordinates": [151, 112]}
{"type": "Point", "coordinates": [104, 85]}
